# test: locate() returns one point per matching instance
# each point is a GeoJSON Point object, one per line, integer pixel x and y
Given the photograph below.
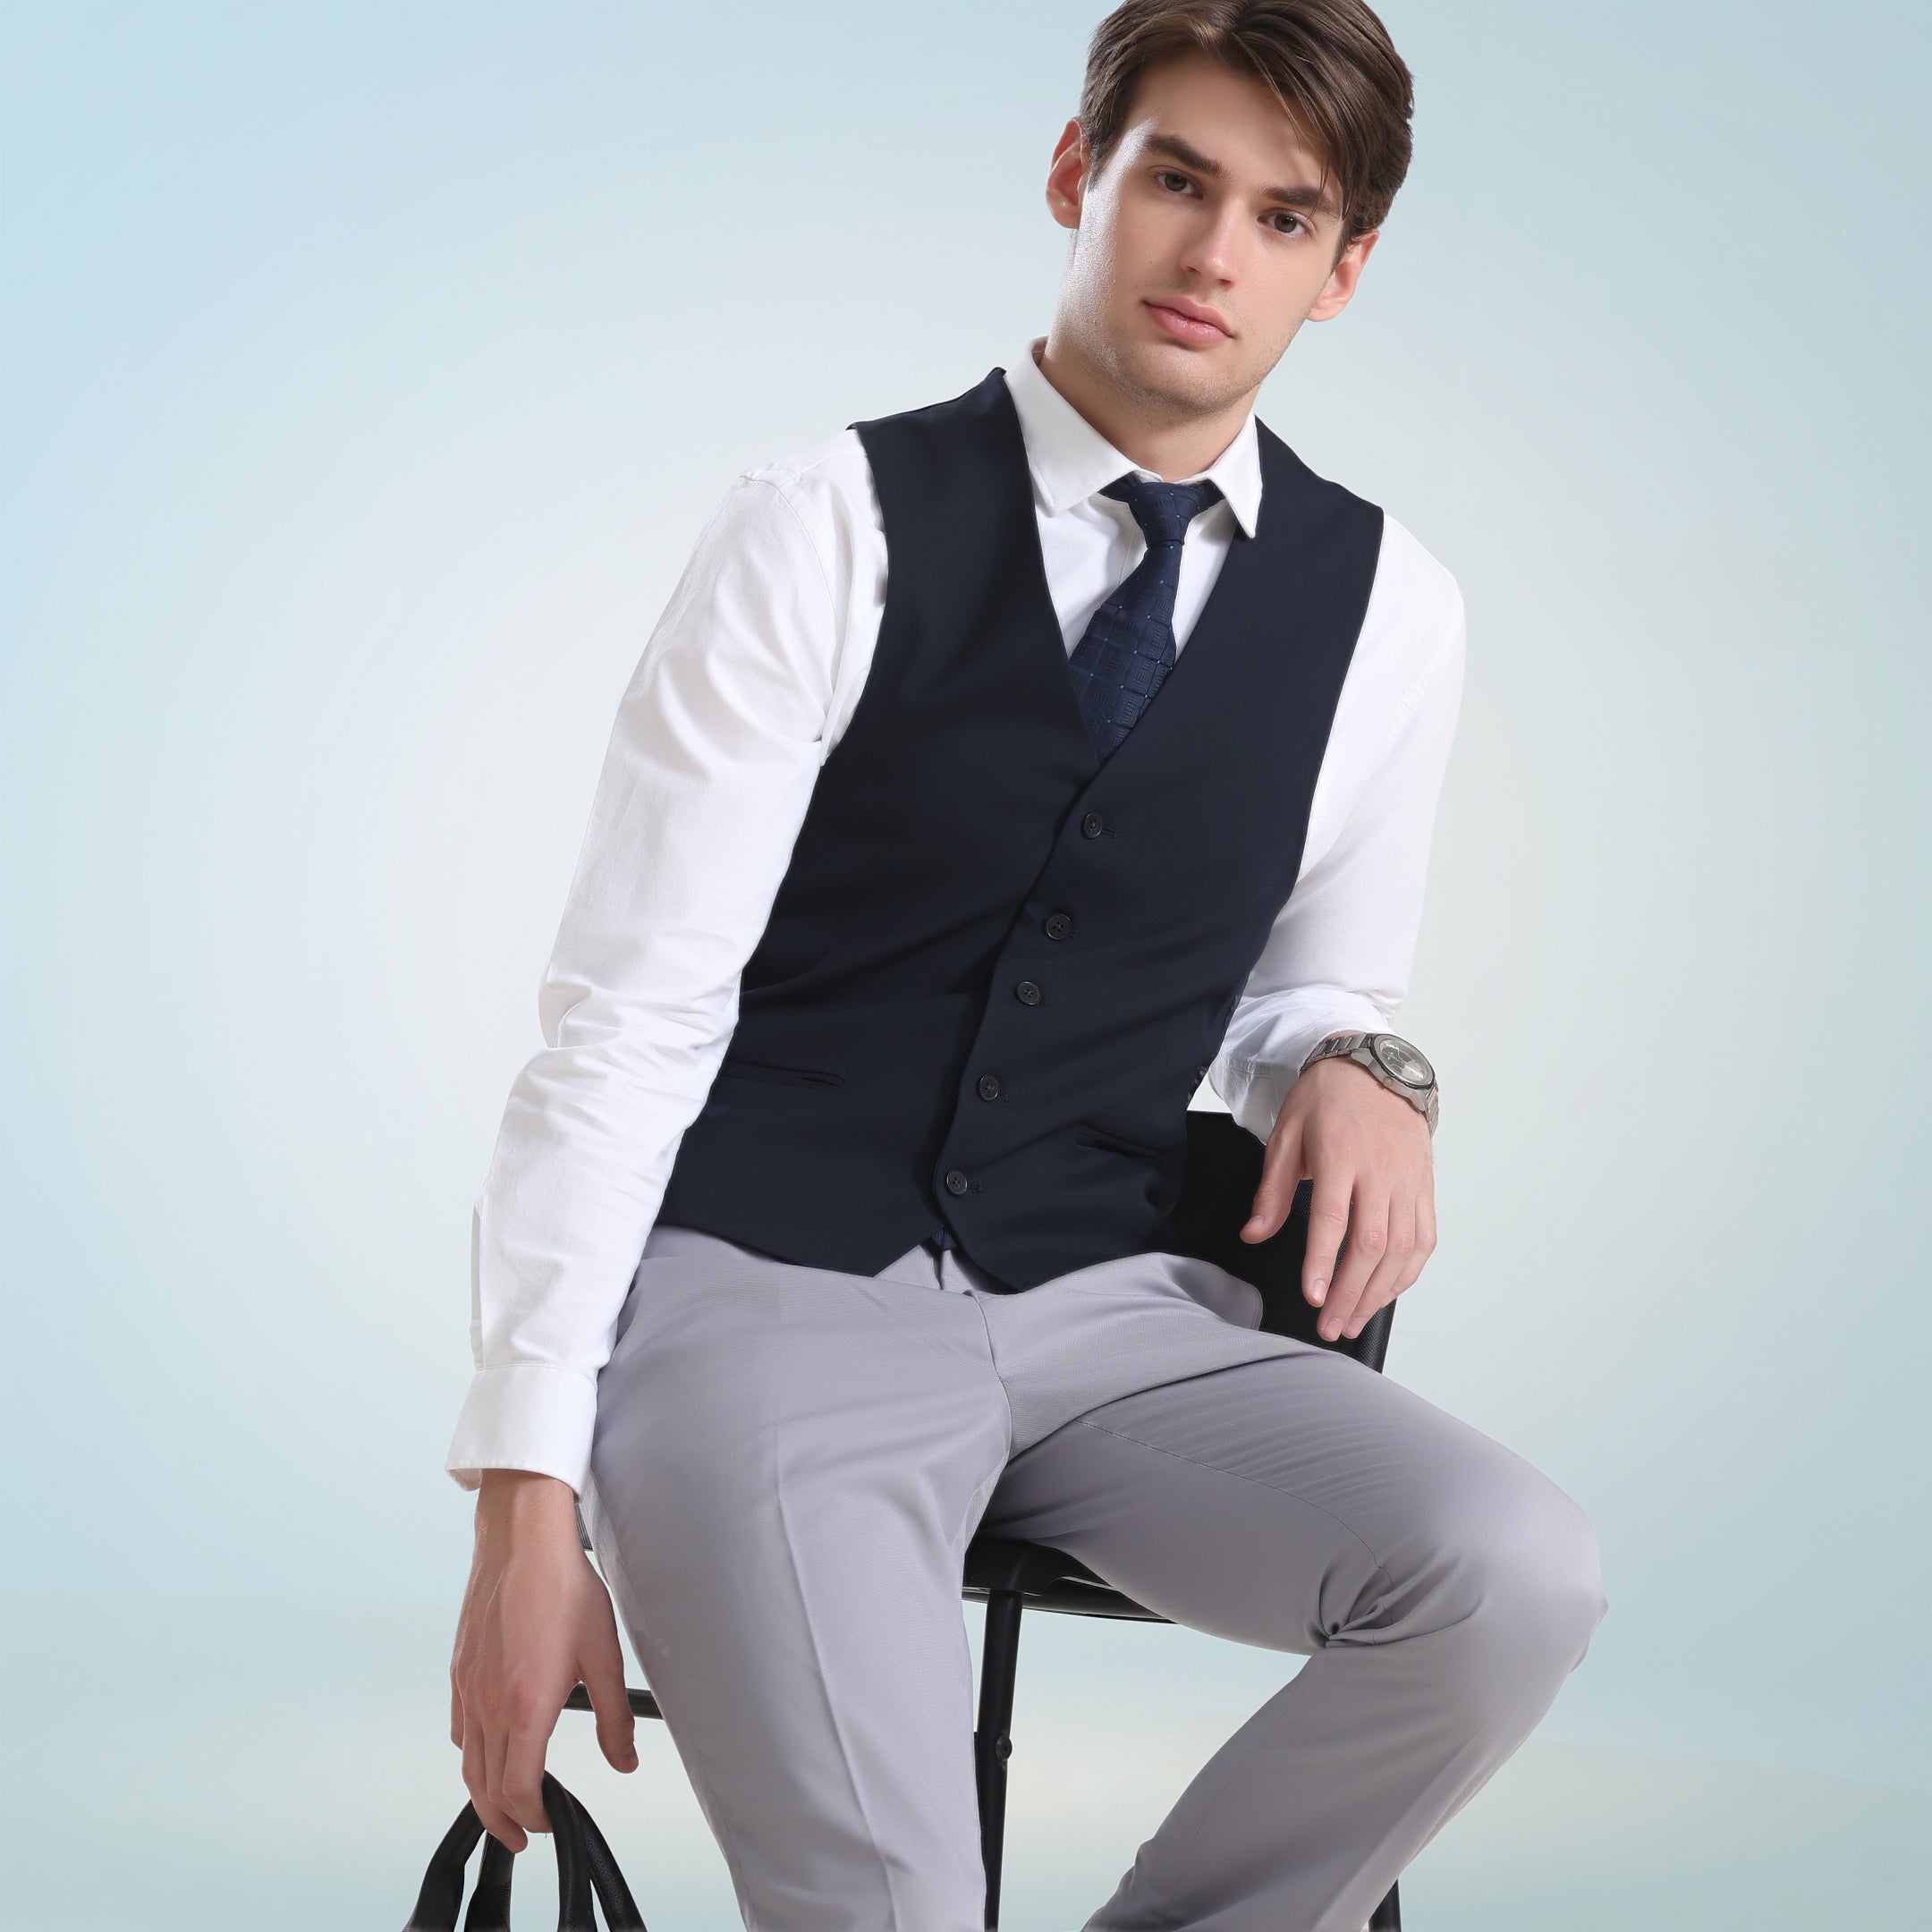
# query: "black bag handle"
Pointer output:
{"type": "Point", "coordinates": [584, 1866]}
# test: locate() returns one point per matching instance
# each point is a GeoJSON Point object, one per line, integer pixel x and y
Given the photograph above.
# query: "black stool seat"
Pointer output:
{"type": "Point", "coordinates": [1045, 1579]}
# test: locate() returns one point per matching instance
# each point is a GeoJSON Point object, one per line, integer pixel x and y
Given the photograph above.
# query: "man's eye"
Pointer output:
{"type": "Point", "coordinates": [1281, 214]}
{"type": "Point", "coordinates": [1168, 178]}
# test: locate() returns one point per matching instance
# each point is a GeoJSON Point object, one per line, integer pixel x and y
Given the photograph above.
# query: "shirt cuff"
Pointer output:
{"type": "Point", "coordinates": [529, 1415]}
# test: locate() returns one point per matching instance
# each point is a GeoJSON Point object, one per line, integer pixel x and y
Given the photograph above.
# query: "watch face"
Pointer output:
{"type": "Point", "coordinates": [1402, 1060]}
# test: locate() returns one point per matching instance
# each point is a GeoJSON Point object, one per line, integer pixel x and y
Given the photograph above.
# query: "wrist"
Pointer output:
{"type": "Point", "coordinates": [516, 1500]}
{"type": "Point", "coordinates": [1386, 1059]}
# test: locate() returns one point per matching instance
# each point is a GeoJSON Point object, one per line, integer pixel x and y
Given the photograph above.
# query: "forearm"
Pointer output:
{"type": "Point", "coordinates": [639, 1010]}
{"type": "Point", "coordinates": [517, 1503]}
{"type": "Point", "coordinates": [580, 1165]}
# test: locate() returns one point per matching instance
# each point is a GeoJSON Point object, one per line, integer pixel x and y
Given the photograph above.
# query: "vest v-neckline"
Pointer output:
{"type": "Point", "coordinates": [1225, 592]}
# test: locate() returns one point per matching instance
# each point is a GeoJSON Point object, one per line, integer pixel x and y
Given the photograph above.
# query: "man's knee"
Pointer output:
{"type": "Point", "coordinates": [1541, 1569]}
{"type": "Point", "coordinates": [1523, 1575]}
{"type": "Point", "coordinates": [1499, 1560]}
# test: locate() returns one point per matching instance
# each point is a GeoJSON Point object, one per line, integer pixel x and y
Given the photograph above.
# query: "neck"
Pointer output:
{"type": "Point", "coordinates": [1149, 435]}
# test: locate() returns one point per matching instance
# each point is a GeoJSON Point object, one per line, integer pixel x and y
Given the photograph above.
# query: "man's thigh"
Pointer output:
{"type": "Point", "coordinates": [1286, 1502]}
{"type": "Point", "coordinates": [767, 1432]}
{"type": "Point", "coordinates": [787, 1465]}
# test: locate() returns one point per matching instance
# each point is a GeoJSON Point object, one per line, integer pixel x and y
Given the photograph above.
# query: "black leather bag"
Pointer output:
{"type": "Point", "coordinates": [584, 1866]}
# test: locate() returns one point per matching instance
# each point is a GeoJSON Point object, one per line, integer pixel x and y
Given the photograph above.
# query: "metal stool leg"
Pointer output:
{"type": "Point", "coordinates": [999, 1662]}
{"type": "Point", "coordinates": [1388, 1913]}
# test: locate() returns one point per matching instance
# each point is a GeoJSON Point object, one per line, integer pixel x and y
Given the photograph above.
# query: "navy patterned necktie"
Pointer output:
{"type": "Point", "coordinates": [1129, 647]}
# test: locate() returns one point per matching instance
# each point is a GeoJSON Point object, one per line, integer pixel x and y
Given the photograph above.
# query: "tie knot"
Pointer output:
{"type": "Point", "coordinates": [1163, 510]}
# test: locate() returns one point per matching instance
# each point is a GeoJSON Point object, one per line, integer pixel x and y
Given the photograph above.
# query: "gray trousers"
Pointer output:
{"type": "Point", "coordinates": [788, 1465]}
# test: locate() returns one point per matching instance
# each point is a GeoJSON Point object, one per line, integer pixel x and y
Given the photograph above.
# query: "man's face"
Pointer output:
{"type": "Point", "coordinates": [1203, 243]}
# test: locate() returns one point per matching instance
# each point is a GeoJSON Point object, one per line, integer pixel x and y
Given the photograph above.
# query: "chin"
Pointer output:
{"type": "Point", "coordinates": [1191, 380]}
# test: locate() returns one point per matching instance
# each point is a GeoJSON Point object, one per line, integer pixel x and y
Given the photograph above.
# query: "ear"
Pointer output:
{"type": "Point", "coordinates": [1066, 177]}
{"type": "Point", "coordinates": [1343, 277]}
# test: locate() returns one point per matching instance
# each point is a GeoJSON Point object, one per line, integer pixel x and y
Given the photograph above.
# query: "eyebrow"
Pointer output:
{"type": "Point", "coordinates": [1317, 200]}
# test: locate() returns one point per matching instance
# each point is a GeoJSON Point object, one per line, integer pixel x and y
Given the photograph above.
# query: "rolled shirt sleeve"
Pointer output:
{"type": "Point", "coordinates": [1338, 957]}
{"type": "Point", "coordinates": [711, 764]}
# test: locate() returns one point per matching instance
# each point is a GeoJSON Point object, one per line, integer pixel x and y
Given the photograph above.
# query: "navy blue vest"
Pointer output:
{"type": "Point", "coordinates": [997, 968]}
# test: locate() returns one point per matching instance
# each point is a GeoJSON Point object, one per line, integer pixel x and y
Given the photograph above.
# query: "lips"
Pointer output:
{"type": "Point", "coordinates": [1188, 321]}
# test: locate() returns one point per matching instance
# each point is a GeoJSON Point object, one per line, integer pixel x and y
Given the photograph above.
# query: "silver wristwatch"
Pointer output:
{"type": "Point", "coordinates": [1393, 1061]}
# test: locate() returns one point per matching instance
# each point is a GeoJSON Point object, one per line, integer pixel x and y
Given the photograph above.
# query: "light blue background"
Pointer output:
{"type": "Point", "coordinates": [370, 370]}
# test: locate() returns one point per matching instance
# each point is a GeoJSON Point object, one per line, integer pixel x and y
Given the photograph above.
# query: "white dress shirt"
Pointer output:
{"type": "Point", "coordinates": [745, 686]}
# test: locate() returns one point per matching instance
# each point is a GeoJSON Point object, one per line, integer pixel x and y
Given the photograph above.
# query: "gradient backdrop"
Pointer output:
{"type": "Point", "coordinates": [369, 369]}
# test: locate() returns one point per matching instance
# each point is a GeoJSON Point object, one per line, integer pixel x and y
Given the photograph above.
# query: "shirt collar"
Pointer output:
{"type": "Point", "coordinates": [1071, 461]}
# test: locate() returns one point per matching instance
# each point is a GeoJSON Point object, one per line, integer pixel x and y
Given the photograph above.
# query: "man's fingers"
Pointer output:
{"type": "Point", "coordinates": [1281, 1175]}
{"type": "Point", "coordinates": [456, 1717]}
{"type": "Point", "coordinates": [495, 1739]}
{"type": "Point", "coordinates": [1328, 1223]}
{"type": "Point", "coordinates": [1393, 1274]}
{"type": "Point", "coordinates": [1422, 1247]}
{"type": "Point", "coordinates": [1367, 1242]}
{"type": "Point", "coordinates": [519, 1789]}
{"type": "Point", "coordinates": [476, 1780]}
{"type": "Point", "coordinates": [602, 1668]}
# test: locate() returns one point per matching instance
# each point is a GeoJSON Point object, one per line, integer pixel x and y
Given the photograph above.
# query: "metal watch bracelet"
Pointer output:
{"type": "Point", "coordinates": [1400, 1065]}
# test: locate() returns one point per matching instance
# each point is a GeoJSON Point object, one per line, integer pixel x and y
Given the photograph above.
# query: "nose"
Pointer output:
{"type": "Point", "coordinates": [1214, 243]}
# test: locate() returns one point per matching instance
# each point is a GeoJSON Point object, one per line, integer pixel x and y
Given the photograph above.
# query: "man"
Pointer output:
{"type": "Point", "coordinates": [997, 770]}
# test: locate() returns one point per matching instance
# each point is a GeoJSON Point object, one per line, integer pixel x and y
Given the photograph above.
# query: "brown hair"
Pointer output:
{"type": "Point", "coordinates": [1330, 63]}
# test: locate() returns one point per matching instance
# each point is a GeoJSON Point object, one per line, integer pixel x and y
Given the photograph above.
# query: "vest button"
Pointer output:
{"type": "Point", "coordinates": [989, 1086]}
{"type": "Point", "coordinates": [1058, 926]}
{"type": "Point", "coordinates": [1093, 825]}
{"type": "Point", "coordinates": [956, 1182]}
{"type": "Point", "coordinates": [1029, 994]}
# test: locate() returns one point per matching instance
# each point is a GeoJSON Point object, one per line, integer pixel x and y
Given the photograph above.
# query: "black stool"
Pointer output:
{"type": "Point", "coordinates": [1223, 1169]}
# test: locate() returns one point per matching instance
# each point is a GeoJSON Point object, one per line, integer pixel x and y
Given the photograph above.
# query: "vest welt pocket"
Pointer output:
{"type": "Point", "coordinates": [782, 1076]}
{"type": "Point", "coordinates": [1113, 1144]}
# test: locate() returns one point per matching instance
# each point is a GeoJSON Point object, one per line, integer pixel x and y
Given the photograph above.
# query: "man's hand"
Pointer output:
{"type": "Point", "coordinates": [1363, 1145]}
{"type": "Point", "coordinates": [535, 1620]}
